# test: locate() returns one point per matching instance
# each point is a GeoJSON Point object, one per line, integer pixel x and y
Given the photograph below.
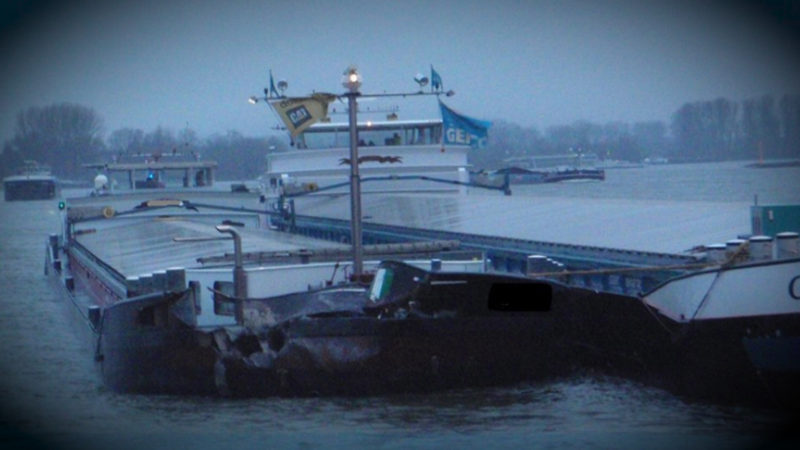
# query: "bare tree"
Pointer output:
{"type": "Point", "coordinates": [789, 106]}
{"type": "Point", "coordinates": [125, 141]}
{"type": "Point", "coordinates": [63, 135]}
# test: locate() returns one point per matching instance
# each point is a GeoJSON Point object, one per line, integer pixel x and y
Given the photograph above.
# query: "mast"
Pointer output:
{"type": "Point", "coordinates": [352, 82]}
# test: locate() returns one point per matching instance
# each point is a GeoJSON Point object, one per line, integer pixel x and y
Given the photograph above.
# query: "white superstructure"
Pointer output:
{"type": "Point", "coordinates": [391, 150]}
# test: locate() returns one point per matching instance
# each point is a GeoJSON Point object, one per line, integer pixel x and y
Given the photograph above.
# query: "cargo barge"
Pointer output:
{"type": "Point", "coordinates": [164, 315]}
{"type": "Point", "coordinates": [170, 309]}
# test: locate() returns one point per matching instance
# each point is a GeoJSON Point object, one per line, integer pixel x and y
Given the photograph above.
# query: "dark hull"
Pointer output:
{"type": "Point", "coordinates": [30, 190]}
{"type": "Point", "coordinates": [556, 176]}
{"type": "Point", "coordinates": [141, 356]}
{"type": "Point", "coordinates": [362, 356]}
{"type": "Point", "coordinates": [702, 360]}
{"type": "Point", "coordinates": [583, 332]}
{"type": "Point", "coordinates": [140, 345]}
{"type": "Point", "coordinates": [148, 344]}
{"type": "Point", "coordinates": [573, 175]}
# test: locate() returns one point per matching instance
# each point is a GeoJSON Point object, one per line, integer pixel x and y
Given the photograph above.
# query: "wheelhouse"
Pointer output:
{"type": "Point", "coordinates": [372, 133]}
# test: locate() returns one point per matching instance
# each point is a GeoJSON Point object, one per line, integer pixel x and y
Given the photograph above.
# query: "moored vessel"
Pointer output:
{"type": "Point", "coordinates": [32, 182]}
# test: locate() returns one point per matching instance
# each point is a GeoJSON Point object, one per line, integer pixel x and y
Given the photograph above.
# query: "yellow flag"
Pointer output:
{"type": "Point", "coordinates": [298, 113]}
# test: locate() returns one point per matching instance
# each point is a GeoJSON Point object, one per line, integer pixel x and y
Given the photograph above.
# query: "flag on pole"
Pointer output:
{"type": "Point", "coordinates": [299, 113]}
{"type": "Point", "coordinates": [462, 130]}
{"type": "Point", "coordinates": [436, 81]}
{"type": "Point", "coordinates": [272, 91]}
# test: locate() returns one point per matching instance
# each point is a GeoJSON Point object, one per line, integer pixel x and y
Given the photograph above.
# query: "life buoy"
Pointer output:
{"type": "Point", "coordinates": [108, 212]}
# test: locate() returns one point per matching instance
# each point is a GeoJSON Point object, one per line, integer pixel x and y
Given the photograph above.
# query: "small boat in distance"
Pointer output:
{"type": "Point", "coordinates": [543, 169]}
{"type": "Point", "coordinates": [32, 182]}
{"type": "Point", "coordinates": [519, 175]}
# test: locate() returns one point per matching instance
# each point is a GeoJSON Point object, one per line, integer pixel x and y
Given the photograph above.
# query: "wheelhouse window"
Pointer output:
{"type": "Point", "coordinates": [390, 133]}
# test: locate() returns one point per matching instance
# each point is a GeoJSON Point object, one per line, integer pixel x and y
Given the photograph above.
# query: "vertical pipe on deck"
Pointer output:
{"type": "Point", "coordinates": [239, 274]}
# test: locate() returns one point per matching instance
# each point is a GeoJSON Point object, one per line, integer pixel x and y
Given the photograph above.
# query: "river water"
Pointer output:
{"type": "Point", "coordinates": [50, 396]}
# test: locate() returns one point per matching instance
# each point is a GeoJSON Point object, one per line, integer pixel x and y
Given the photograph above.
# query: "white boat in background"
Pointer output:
{"type": "Point", "coordinates": [421, 155]}
{"type": "Point", "coordinates": [656, 160]}
{"type": "Point", "coordinates": [395, 156]}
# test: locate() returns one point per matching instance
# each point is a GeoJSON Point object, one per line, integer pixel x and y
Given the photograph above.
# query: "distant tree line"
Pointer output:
{"type": "Point", "coordinates": [65, 136]}
{"type": "Point", "coordinates": [715, 130]}
{"type": "Point", "coordinates": [721, 129]}
{"type": "Point", "coordinates": [613, 140]}
{"type": "Point", "coordinates": [238, 157]}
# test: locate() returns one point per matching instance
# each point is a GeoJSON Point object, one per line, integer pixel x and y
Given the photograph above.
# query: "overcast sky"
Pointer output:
{"type": "Point", "coordinates": [143, 64]}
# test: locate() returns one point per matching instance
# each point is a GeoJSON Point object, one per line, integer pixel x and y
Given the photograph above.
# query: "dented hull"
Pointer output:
{"type": "Point", "coordinates": [336, 342]}
{"type": "Point", "coordinates": [358, 356]}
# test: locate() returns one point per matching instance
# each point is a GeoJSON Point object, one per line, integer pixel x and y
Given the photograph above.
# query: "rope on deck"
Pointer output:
{"type": "Point", "coordinates": [731, 260]}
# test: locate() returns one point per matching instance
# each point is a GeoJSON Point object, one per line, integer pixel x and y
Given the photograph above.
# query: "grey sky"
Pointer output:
{"type": "Point", "coordinates": [166, 63]}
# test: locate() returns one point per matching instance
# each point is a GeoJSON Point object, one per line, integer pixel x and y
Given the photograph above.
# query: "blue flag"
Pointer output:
{"type": "Point", "coordinates": [436, 81]}
{"type": "Point", "coordinates": [462, 130]}
{"type": "Point", "coordinates": [272, 91]}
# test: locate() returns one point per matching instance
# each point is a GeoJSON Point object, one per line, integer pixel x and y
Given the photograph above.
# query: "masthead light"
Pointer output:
{"type": "Point", "coordinates": [352, 79]}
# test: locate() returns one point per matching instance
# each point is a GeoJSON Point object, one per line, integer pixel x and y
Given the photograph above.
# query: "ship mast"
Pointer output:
{"type": "Point", "coordinates": [352, 81]}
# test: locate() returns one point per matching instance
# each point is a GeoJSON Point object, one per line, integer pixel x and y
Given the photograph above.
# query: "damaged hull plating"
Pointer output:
{"type": "Point", "coordinates": [346, 356]}
{"type": "Point", "coordinates": [410, 343]}
{"type": "Point", "coordinates": [451, 330]}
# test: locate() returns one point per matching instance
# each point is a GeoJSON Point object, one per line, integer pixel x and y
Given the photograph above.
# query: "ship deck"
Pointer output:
{"type": "Point", "coordinates": [632, 225]}
{"type": "Point", "coordinates": [141, 246]}
{"type": "Point", "coordinates": [143, 243]}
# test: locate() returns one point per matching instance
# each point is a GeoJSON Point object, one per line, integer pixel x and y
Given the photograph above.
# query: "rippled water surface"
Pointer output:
{"type": "Point", "coordinates": [50, 396]}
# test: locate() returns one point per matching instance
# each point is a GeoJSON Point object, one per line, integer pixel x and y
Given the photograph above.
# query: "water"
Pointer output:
{"type": "Point", "coordinates": [715, 182]}
{"type": "Point", "coordinates": [50, 396]}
